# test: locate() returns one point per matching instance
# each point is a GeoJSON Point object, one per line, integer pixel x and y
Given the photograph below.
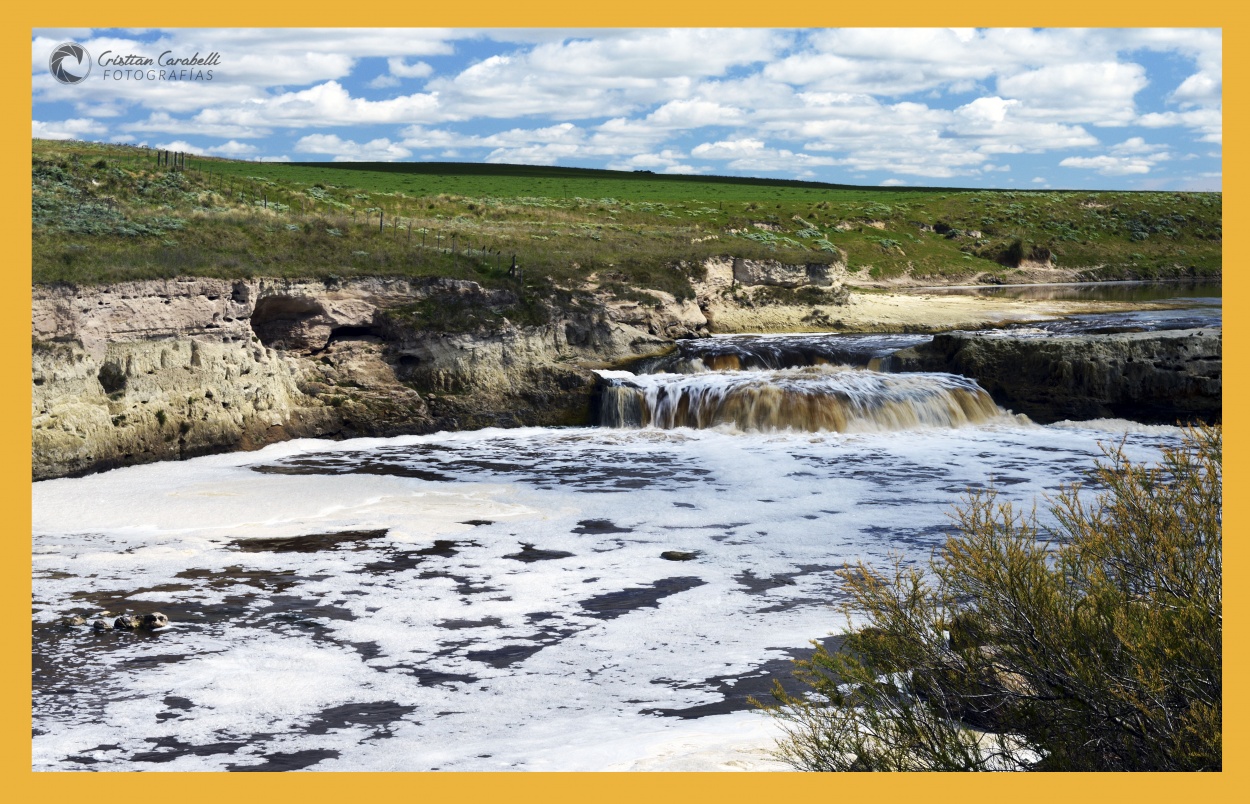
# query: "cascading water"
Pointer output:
{"type": "Point", "coordinates": [813, 399]}
{"type": "Point", "coordinates": [793, 385]}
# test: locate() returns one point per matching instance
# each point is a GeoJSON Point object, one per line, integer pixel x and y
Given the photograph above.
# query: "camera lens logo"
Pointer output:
{"type": "Point", "coordinates": [70, 63]}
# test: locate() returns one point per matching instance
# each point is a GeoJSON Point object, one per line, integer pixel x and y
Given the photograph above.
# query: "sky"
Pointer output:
{"type": "Point", "coordinates": [1136, 109]}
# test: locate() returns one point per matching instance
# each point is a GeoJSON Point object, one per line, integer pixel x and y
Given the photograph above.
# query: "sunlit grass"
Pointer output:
{"type": "Point", "coordinates": [106, 213]}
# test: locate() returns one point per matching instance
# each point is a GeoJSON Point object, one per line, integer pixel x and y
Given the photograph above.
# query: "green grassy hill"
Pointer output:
{"type": "Point", "coordinates": [105, 213]}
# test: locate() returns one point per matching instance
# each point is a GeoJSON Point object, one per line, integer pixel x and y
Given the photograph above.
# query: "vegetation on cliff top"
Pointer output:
{"type": "Point", "coordinates": [105, 213]}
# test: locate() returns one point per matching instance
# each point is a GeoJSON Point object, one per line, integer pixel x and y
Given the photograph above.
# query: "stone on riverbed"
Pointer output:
{"type": "Point", "coordinates": [146, 622]}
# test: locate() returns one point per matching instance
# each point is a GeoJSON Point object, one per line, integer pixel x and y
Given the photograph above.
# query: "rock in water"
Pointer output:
{"type": "Point", "coordinates": [146, 622]}
{"type": "Point", "coordinates": [678, 555]}
{"type": "Point", "coordinates": [72, 620]}
{"type": "Point", "coordinates": [153, 621]}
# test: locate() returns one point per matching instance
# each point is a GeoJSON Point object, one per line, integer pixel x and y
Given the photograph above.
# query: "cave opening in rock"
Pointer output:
{"type": "Point", "coordinates": [290, 322]}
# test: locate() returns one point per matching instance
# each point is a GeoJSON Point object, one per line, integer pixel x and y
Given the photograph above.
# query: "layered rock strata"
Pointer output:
{"type": "Point", "coordinates": [146, 371]}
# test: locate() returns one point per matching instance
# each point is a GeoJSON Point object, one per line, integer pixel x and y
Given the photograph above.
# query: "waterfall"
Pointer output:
{"type": "Point", "coordinates": [814, 398]}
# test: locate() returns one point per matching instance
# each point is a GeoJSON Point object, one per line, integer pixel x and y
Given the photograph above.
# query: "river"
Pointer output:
{"type": "Point", "coordinates": [535, 599]}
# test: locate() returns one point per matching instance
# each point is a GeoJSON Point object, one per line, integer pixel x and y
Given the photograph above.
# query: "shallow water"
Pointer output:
{"type": "Point", "coordinates": [775, 352]}
{"type": "Point", "coordinates": [1179, 292]}
{"type": "Point", "coordinates": [486, 600]}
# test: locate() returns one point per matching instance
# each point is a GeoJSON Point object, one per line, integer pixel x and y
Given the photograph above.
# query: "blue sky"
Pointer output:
{"type": "Point", "coordinates": [1122, 109]}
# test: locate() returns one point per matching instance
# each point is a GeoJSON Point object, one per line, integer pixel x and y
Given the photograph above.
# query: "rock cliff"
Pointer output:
{"type": "Point", "coordinates": [144, 371]}
{"type": "Point", "coordinates": [1160, 377]}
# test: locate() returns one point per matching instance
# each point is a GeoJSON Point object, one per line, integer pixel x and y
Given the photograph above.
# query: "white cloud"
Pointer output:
{"type": "Point", "coordinates": [757, 100]}
{"type": "Point", "coordinates": [100, 109]}
{"type": "Point", "coordinates": [657, 53]}
{"type": "Point", "coordinates": [76, 128]}
{"type": "Point", "coordinates": [681, 114]}
{"type": "Point", "coordinates": [1208, 122]}
{"type": "Point", "coordinates": [563, 133]}
{"type": "Point", "coordinates": [1101, 93]}
{"type": "Point", "coordinates": [1199, 89]}
{"type": "Point", "coordinates": [891, 62]}
{"type": "Point", "coordinates": [728, 149]}
{"type": "Point", "coordinates": [753, 156]}
{"type": "Point", "coordinates": [615, 139]}
{"type": "Point", "coordinates": [162, 123]}
{"type": "Point", "coordinates": [548, 154]}
{"type": "Point", "coordinates": [1134, 145]}
{"type": "Point", "coordinates": [668, 160]}
{"type": "Point", "coordinates": [379, 150]}
{"type": "Point", "coordinates": [180, 146]}
{"type": "Point", "coordinates": [233, 149]}
{"type": "Point", "coordinates": [328, 104]}
{"type": "Point", "coordinates": [402, 69]}
{"type": "Point", "coordinates": [616, 73]}
{"type": "Point", "coordinates": [1115, 165]}
{"type": "Point", "coordinates": [422, 137]}
{"type": "Point", "coordinates": [684, 170]}
{"type": "Point", "coordinates": [1000, 126]}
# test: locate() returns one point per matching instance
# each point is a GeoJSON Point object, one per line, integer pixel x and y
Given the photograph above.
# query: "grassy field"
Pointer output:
{"type": "Point", "coordinates": [104, 213]}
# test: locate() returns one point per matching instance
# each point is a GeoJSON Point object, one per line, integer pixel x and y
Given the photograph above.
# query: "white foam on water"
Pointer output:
{"type": "Point", "coordinates": [1120, 426]}
{"type": "Point", "coordinates": [404, 652]}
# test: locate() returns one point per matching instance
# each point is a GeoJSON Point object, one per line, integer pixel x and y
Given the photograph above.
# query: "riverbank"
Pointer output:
{"type": "Point", "coordinates": [880, 311]}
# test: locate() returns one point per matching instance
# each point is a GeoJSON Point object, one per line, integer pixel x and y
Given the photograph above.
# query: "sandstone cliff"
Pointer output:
{"type": "Point", "coordinates": [144, 371]}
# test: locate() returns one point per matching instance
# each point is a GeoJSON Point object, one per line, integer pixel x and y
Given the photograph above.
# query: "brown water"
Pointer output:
{"type": "Point", "coordinates": [813, 399]}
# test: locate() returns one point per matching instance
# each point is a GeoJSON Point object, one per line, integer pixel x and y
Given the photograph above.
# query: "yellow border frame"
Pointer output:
{"type": "Point", "coordinates": [15, 471]}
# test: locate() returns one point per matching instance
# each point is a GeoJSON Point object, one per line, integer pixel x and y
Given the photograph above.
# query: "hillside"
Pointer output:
{"type": "Point", "coordinates": [108, 213]}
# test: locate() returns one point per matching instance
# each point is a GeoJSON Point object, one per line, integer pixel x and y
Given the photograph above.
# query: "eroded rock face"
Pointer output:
{"type": "Point", "coordinates": [147, 371]}
{"type": "Point", "coordinates": [1158, 377]}
{"type": "Point", "coordinates": [516, 377]}
{"type": "Point", "coordinates": [777, 274]}
{"type": "Point", "coordinates": [737, 295]}
{"type": "Point", "coordinates": [160, 400]}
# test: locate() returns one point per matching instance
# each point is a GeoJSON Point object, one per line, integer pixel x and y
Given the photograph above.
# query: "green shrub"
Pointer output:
{"type": "Point", "coordinates": [1097, 650]}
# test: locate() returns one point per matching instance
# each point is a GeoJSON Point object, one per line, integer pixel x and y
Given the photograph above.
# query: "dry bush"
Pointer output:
{"type": "Point", "coordinates": [1097, 648]}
